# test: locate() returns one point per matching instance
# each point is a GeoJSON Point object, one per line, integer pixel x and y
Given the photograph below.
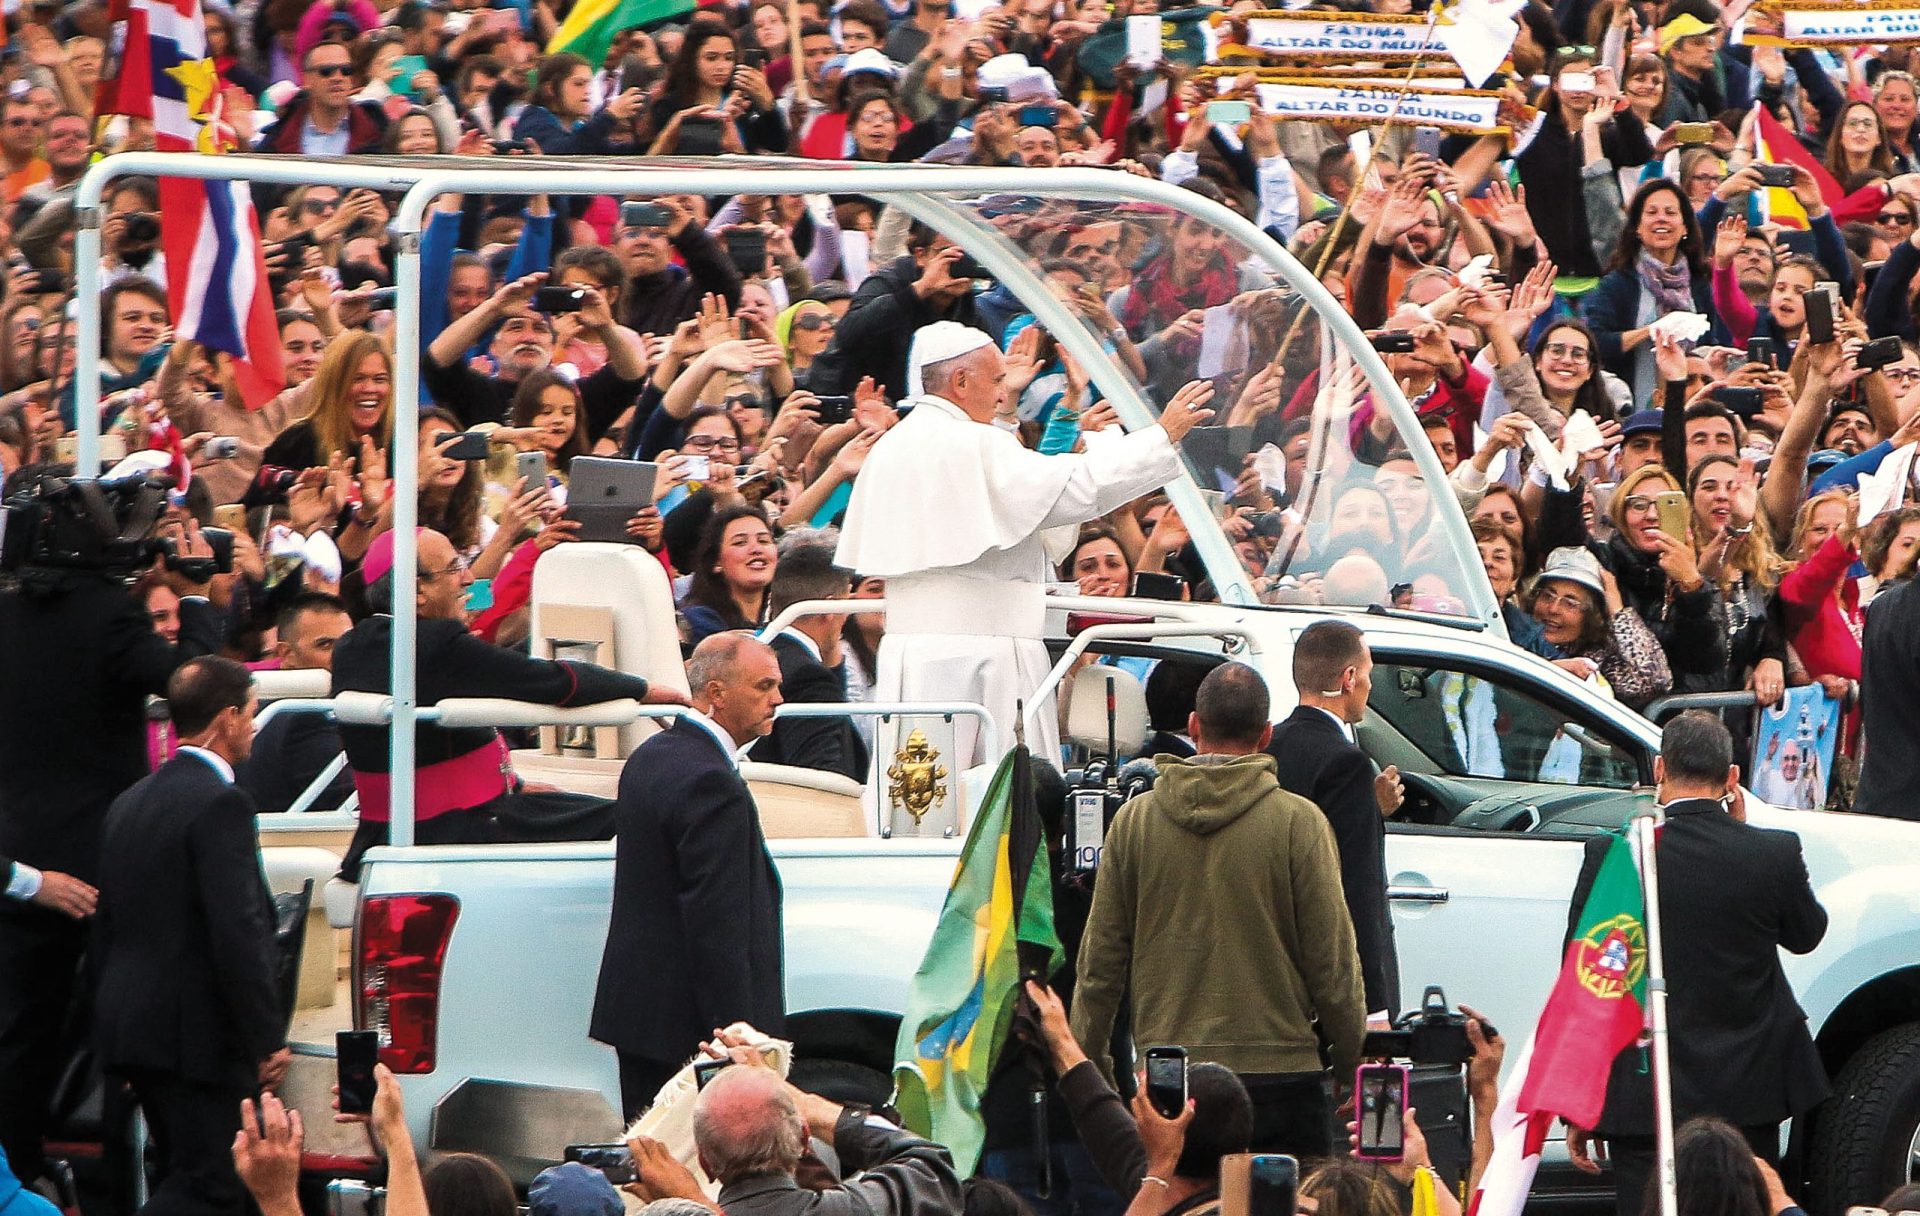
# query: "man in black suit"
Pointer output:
{"type": "Point", "coordinates": [1731, 898]}
{"type": "Point", "coordinates": [1889, 689]}
{"type": "Point", "coordinates": [810, 670]}
{"type": "Point", "coordinates": [694, 942]}
{"type": "Point", "coordinates": [1318, 760]}
{"type": "Point", "coordinates": [79, 660]}
{"type": "Point", "coordinates": [187, 1008]}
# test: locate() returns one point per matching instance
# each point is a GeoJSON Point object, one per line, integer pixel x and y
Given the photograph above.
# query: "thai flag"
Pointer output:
{"type": "Point", "coordinates": [217, 287]}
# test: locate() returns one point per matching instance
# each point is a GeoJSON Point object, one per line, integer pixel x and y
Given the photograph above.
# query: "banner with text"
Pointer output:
{"type": "Point", "coordinates": [1817, 23]}
{"type": "Point", "coordinates": [1469, 111]}
{"type": "Point", "coordinates": [1320, 35]}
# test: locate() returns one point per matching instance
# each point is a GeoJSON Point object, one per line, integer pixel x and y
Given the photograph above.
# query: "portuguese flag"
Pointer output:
{"type": "Point", "coordinates": [1596, 1011]}
{"type": "Point", "coordinates": [589, 29]}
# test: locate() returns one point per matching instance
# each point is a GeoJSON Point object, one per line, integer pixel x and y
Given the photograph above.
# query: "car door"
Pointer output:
{"type": "Point", "coordinates": [1481, 909]}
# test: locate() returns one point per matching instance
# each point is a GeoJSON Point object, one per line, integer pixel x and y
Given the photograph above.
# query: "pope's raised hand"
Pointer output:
{"type": "Point", "coordinates": [1187, 409]}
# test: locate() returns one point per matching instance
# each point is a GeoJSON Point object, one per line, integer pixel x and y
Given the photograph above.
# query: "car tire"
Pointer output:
{"type": "Point", "coordinates": [1866, 1135]}
{"type": "Point", "coordinates": [842, 1081]}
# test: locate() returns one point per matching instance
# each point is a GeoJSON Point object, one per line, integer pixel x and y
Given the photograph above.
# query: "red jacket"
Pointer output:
{"type": "Point", "coordinates": [1816, 621]}
{"type": "Point", "coordinates": [365, 125]}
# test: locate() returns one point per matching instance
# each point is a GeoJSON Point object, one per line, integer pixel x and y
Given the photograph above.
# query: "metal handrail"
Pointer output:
{"type": "Point", "coordinates": [1661, 708]}
{"type": "Point", "coordinates": [1098, 633]}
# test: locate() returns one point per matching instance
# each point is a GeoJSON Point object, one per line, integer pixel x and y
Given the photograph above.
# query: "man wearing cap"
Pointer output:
{"type": "Point", "coordinates": [1640, 438]}
{"type": "Point", "coordinates": [1691, 48]}
{"type": "Point", "coordinates": [965, 524]}
{"type": "Point", "coordinates": [463, 779]}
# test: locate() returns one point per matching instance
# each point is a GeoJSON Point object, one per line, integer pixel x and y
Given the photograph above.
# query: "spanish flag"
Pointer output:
{"type": "Point", "coordinates": [960, 1004]}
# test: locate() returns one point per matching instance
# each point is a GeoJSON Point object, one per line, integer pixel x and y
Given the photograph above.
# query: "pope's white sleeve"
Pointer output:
{"type": "Point", "coordinates": [1112, 472]}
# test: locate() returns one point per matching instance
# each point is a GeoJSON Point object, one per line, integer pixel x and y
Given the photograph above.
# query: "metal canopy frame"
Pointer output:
{"type": "Point", "coordinates": [922, 191]}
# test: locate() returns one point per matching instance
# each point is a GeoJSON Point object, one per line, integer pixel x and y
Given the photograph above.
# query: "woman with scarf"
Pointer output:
{"type": "Point", "coordinates": [1586, 627]}
{"type": "Point", "coordinates": [1659, 578]}
{"type": "Point", "coordinates": [1659, 268]}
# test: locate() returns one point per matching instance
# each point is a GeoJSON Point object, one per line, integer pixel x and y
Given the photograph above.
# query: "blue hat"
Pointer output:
{"type": "Point", "coordinates": [573, 1189]}
{"type": "Point", "coordinates": [1825, 458]}
{"type": "Point", "coordinates": [1640, 422]}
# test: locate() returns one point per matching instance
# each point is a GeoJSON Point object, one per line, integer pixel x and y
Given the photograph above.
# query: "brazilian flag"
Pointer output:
{"type": "Point", "coordinates": [999, 910]}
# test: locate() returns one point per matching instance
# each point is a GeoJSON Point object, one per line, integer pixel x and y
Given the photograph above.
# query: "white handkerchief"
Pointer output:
{"type": "Point", "coordinates": [1681, 326]}
{"type": "Point", "coordinates": [1475, 272]}
{"type": "Point", "coordinates": [1271, 463]}
{"type": "Point", "coordinates": [1546, 458]}
{"type": "Point", "coordinates": [1580, 434]}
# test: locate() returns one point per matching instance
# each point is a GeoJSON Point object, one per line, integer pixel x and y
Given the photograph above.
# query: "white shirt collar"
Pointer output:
{"type": "Point", "coordinates": [1346, 731]}
{"type": "Point", "coordinates": [720, 737]}
{"type": "Point", "coordinates": [806, 643]}
{"type": "Point", "coordinates": [218, 762]}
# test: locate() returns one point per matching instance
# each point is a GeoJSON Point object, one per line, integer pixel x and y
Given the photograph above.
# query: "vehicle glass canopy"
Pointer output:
{"type": "Point", "coordinates": [1361, 514]}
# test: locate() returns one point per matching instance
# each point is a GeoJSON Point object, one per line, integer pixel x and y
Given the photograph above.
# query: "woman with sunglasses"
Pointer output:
{"type": "Point", "coordinates": [805, 331]}
{"type": "Point", "coordinates": [1551, 165]}
{"type": "Point", "coordinates": [1895, 218]}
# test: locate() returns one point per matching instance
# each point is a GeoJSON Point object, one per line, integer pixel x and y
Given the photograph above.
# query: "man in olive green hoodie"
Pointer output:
{"type": "Point", "coordinates": [1219, 900]}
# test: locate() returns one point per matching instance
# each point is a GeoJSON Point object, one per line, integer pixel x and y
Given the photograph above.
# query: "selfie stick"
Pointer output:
{"type": "Point", "coordinates": [1645, 832]}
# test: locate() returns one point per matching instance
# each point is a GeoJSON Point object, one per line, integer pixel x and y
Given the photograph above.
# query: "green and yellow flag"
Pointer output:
{"type": "Point", "coordinates": [589, 29]}
{"type": "Point", "coordinates": [962, 998]}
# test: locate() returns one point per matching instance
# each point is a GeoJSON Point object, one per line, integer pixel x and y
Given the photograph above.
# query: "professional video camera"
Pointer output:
{"type": "Point", "coordinates": [1095, 794]}
{"type": "Point", "coordinates": [83, 523]}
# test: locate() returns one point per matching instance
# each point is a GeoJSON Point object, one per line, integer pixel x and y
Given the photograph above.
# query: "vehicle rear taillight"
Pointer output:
{"type": "Point", "coordinates": [401, 943]}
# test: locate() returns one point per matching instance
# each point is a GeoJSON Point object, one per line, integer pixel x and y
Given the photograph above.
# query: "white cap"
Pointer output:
{"type": "Point", "coordinates": [869, 60]}
{"type": "Point", "coordinates": [1022, 81]}
{"type": "Point", "coordinates": [937, 343]}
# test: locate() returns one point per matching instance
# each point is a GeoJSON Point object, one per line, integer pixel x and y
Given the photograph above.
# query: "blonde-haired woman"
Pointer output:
{"type": "Point", "coordinates": [1659, 578]}
{"type": "Point", "coordinates": [351, 405]}
{"type": "Point", "coordinates": [1737, 557]}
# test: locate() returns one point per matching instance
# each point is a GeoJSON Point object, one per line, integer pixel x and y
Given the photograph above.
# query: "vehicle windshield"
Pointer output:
{"type": "Point", "coordinates": [1320, 490]}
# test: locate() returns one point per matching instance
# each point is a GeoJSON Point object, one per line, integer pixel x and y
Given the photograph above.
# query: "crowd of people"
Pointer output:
{"type": "Point", "coordinates": [1674, 394]}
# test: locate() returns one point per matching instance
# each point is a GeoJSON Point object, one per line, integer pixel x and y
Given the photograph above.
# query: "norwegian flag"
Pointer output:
{"type": "Point", "coordinates": [217, 287]}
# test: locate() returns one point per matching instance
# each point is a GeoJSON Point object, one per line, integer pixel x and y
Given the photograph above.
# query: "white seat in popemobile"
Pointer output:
{"type": "Point", "coordinates": [1087, 711]}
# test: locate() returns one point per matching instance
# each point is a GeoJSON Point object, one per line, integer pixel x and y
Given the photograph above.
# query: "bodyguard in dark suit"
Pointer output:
{"type": "Point", "coordinates": [183, 952]}
{"type": "Point", "coordinates": [1318, 760]}
{"type": "Point", "coordinates": [1731, 898]}
{"type": "Point", "coordinates": [1889, 689]}
{"type": "Point", "coordinates": [810, 668]}
{"type": "Point", "coordinates": [695, 940]}
{"type": "Point", "coordinates": [79, 660]}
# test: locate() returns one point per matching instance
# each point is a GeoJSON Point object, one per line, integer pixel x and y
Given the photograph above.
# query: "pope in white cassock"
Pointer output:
{"type": "Point", "coordinates": [966, 525]}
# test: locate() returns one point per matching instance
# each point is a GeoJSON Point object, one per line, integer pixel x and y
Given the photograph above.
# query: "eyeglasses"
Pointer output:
{"type": "Point", "coordinates": [1863, 122]}
{"type": "Point", "coordinates": [1572, 354]}
{"type": "Point", "coordinates": [329, 69]}
{"type": "Point", "coordinates": [710, 443]}
{"type": "Point", "coordinates": [1904, 375]}
{"type": "Point", "coordinates": [1550, 599]}
{"type": "Point", "coordinates": [1638, 503]}
{"type": "Point", "coordinates": [1574, 52]}
{"type": "Point", "coordinates": [454, 567]}
{"type": "Point", "coordinates": [320, 206]}
{"type": "Point", "coordinates": [818, 320]}
{"type": "Point", "coordinates": [1895, 217]}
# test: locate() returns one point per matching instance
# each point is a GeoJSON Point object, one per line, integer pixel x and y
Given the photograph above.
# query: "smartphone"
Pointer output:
{"type": "Point", "coordinates": [1742, 401]}
{"type": "Point", "coordinates": [1690, 133]}
{"type": "Point", "coordinates": [1819, 308]}
{"type": "Point", "coordinates": [1380, 1099]}
{"type": "Point", "coordinates": [226, 447]}
{"type": "Point", "coordinates": [1879, 353]}
{"type": "Point", "coordinates": [1259, 1184]}
{"type": "Point", "coordinates": [1166, 1066]}
{"type": "Point", "coordinates": [1575, 82]}
{"type": "Point", "coordinates": [49, 283]}
{"type": "Point", "coordinates": [385, 297]}
{"type": "Point", "coordinates": [1674, 514]}
{"type": "Point", "coordinates": [1426, 140]}
{"type": "Point", "coordinates": [638, 75]}
{"type": "Point", "coordinates": [615, 1161]}
{"type": "Point", "coordinates": [993, 95]}
{"type": "Point", "coordinates": [1229, 113]}
{"type": "Point", "coordinates": [707, 1070]}
{"type": "Point", "coordinates": [835, 408]}
{"type": "Point", "coordinates": [1777, 176]}
{"type": "Point", "coordinates": [467, 445]}
{"type": "Point", "coordinates": [1039, 116]}
{"type": "Point", "coordinates": [502, 147]}
{"type": "Point", "coordinates": [699, 136]}
{"type": "Point", "coordinates": [532, 468]}
{"type": "Point", "coordinates": [696, 468]}
{"type": "Point", "coordinates": [1760, 350]}
{"type": "Point", "coordinates": [407, 67]}
{"type": "Point", "coordinates": [753, 57]}
{"type": "Point", "coordinates": [232, 517]}
{"type": "Point", "coordinates": [645, 215]}
{"type": "Point", "coordinates": [1392, 341]}
{"type": "Point", "coordinates": [1150, 586]}
{"type": "Point", "coordinates": [747, 247]}
{"type": "Point", "coordinates": [356, 1052]}
{"type": "Point", "coordinates": [559, 299]}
